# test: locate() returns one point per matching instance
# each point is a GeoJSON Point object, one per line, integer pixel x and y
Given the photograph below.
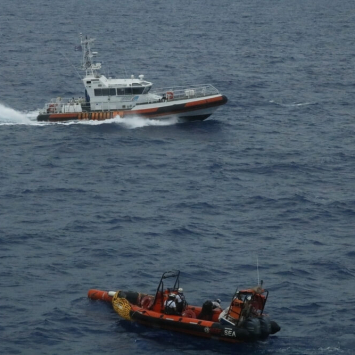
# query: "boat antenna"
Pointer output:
{"type": "Point", "coordinates": [257, 269]}
{"type": "Point", "coordinates": [88, 65]}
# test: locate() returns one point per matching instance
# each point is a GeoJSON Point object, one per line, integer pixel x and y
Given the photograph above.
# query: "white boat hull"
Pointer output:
{"type": "Point", "coordinates": [185, 110]}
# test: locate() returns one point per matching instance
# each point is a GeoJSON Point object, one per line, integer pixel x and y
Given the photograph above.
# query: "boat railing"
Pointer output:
{"type": "Point", "coordinates": [64, 105]}
{"type": "Point", "coordinates": [185, 92]}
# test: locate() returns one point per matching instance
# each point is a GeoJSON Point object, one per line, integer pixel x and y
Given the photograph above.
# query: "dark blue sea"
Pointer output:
{"type": "Point", "coordinates": [262, 189]}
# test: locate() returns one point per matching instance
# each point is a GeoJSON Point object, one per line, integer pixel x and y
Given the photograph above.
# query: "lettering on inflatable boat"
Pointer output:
{"type": "Point", "coordinates": [215, 330]}
{"type": "Point", "coordinates": [229, 332]}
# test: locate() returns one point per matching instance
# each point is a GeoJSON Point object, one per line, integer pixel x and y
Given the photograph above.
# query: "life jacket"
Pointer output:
{"type": "Point", "coordinates": [170, 307]}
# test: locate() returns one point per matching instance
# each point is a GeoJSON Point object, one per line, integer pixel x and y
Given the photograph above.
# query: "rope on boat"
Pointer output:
{"type": "Point", "coordinates": [121, 306]}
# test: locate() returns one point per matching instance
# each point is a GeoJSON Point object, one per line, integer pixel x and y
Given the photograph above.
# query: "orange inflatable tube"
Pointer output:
{"type": "Point", "coordinates": [101, 295]}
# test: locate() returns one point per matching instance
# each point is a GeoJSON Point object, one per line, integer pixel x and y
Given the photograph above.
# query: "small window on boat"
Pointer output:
{"type": "Point", "coordinates": [88, 82]}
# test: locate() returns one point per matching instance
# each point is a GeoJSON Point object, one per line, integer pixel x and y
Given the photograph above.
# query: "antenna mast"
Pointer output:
{"type": "Point", "coordinates": [88, 65]}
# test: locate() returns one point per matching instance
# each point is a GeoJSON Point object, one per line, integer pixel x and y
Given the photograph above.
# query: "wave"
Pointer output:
{"type": "Point", "coordinates": [292, 104]}
{"type": "Point", "coordinates": [9, 116]}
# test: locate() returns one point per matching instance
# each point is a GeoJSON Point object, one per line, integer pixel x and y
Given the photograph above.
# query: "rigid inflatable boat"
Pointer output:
{"type": "Point", "coordinates": [107, 98]}
{"type": "Point", "coordinates": [242, 321]}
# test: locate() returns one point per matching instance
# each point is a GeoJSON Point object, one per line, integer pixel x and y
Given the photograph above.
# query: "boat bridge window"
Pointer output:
{"type": "Point", "coordinates": [137, 91]}
{"type": "Point", "coordinates": [105, 92]}
{"type": "Point", "coordinates": [130, 91]}
{"type": "Point", "coordinates": [122, 91]}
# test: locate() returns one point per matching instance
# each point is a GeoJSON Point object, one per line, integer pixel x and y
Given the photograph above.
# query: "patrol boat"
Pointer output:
{"type": "Point", "coordinates": [106, 98]}
{"type": "Point", "coordinates": [242, 321]}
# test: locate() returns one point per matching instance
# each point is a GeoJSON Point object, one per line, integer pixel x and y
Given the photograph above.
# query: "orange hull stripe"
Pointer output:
{"type": "Point", "coordinates": [203, 102]}
{"type": "Point", "coordinates": [150, 110]}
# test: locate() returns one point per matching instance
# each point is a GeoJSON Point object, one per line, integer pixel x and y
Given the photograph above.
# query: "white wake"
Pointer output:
{"type": "Point", "coordinates": [9, 116]}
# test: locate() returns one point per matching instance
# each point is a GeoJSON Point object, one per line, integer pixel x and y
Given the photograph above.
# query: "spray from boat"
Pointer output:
{"type": "Point", "coordinates": [9, 116]}
{"type": "Point", "coordinates": [128, 123]}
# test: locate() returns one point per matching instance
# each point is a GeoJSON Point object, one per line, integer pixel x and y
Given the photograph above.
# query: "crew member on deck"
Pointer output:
{"type": "Point", "coordinates": [216, 304]}
{"type": "Point", "coordinates": [170, 305]}
{"type": "Point", "coordinates": [180, 301]}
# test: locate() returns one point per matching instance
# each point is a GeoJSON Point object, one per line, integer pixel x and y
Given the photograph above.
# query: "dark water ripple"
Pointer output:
{"type": "Point", "coordinates": [112, 205]}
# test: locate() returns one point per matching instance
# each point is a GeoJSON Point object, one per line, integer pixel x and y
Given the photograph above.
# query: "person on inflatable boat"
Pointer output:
{"type": "Point", "coordinates": [216, 304]}
{"type": "Point", "coordinates": [180, 301]}
{"type": "Point", "coordinates": [170, 305]}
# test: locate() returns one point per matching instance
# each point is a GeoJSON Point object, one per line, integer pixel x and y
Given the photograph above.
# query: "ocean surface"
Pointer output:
{"type": "Point", "coordinates": [267, 180]}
